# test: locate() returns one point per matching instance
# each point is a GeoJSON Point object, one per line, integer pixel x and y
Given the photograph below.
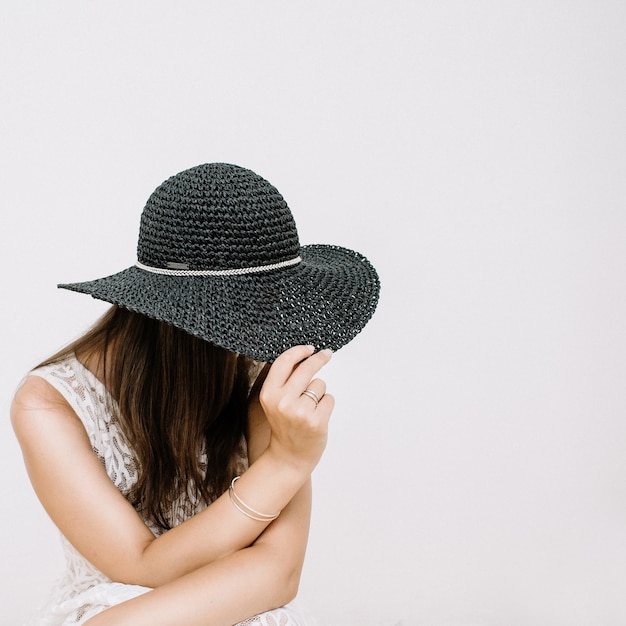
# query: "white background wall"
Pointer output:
{"type": "Point", "coordinates": [476, 152]}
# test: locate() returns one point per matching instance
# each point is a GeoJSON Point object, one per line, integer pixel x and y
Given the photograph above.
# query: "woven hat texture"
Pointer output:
{"type": "Point", "coordinates": [219, 257]}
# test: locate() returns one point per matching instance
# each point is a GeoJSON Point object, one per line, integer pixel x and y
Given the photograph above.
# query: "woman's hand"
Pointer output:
{"type": "Point", "coordinates": [298, 422]}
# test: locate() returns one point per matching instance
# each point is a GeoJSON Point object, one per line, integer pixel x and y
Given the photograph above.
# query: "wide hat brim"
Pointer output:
{"type": "Point", "coordinates": [324, 301]}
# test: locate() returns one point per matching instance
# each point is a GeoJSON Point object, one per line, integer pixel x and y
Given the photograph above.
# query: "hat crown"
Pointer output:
{"type": "Point", "coordinates": [216, 216]}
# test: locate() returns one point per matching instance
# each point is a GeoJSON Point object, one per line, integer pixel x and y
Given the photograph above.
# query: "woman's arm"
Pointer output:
{"type": "Point", "coordinates": [251, 581]}
{"type": "Point", "coordinates": [225, 592]}
{"type": "Point", "coordinates": [289, 533]}
{"type": "Point", "coordinates": [105, 528]}
{"type": "Point", "coordinates": [248, 582]}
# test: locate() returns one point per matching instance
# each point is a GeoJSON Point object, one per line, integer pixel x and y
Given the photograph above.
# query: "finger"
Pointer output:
{"type": "Point", "coordinates": [318, 389]}
{"type": "Point", "coordinates": [284, 365]}
{"type": "Point", "coordinates": [301, 377]}
{"type": "Point", "coordinates": [318, 386]}
{"type": "Point", "coordinates": [326, 405]}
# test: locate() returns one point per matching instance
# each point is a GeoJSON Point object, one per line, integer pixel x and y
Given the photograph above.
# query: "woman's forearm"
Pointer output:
{"type": "Point", "coordinates": [243, 584]}
{"type": "Point", "coordinates": [219, 530]}
{"type": "Point", "coordinates": [220, 594]}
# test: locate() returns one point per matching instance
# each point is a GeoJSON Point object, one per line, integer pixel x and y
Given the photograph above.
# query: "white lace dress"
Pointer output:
{"type": "Point", "coordinates": [84, 591]}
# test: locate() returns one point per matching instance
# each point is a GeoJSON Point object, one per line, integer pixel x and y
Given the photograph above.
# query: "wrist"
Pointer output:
{"type": "Point", "coordinates": [294, 467]}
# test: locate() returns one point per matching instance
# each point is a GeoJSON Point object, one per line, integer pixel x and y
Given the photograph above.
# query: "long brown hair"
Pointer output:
{"type": "Point", "coordinates": [178, 397]}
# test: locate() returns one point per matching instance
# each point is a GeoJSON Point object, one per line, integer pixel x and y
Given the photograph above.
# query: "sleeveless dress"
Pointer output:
{"type": "Point", "coordinates": [84, 591]}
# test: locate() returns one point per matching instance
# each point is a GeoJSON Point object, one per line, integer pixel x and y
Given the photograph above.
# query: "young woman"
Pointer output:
{"type": "Point", "coordinates": [173, 443]}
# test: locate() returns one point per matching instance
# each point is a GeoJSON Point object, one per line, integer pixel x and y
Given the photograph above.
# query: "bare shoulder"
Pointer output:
{"type": "Point", "coordinates": [39, 409]}
{"type": "Point", "coordinates": [36, 393]}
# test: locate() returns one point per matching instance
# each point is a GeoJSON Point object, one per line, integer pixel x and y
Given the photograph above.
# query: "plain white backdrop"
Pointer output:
{"type": "Point", "coordinates": [476, 152]}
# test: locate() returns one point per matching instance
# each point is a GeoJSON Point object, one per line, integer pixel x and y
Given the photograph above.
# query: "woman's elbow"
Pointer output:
{"type": "Point", "coordinates": [283, 590]}
{"type": "Point", "coordinates": [283, 580]}
{"type": "Point", "coordinates": [291, 582]}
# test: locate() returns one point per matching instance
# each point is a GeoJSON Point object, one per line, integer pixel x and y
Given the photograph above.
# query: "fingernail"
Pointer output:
{"type": "Point", "coordinates": [327, 352]}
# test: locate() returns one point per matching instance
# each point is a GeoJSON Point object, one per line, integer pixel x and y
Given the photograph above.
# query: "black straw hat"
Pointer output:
{"type": "Point", "coordinates": [219, 257]}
